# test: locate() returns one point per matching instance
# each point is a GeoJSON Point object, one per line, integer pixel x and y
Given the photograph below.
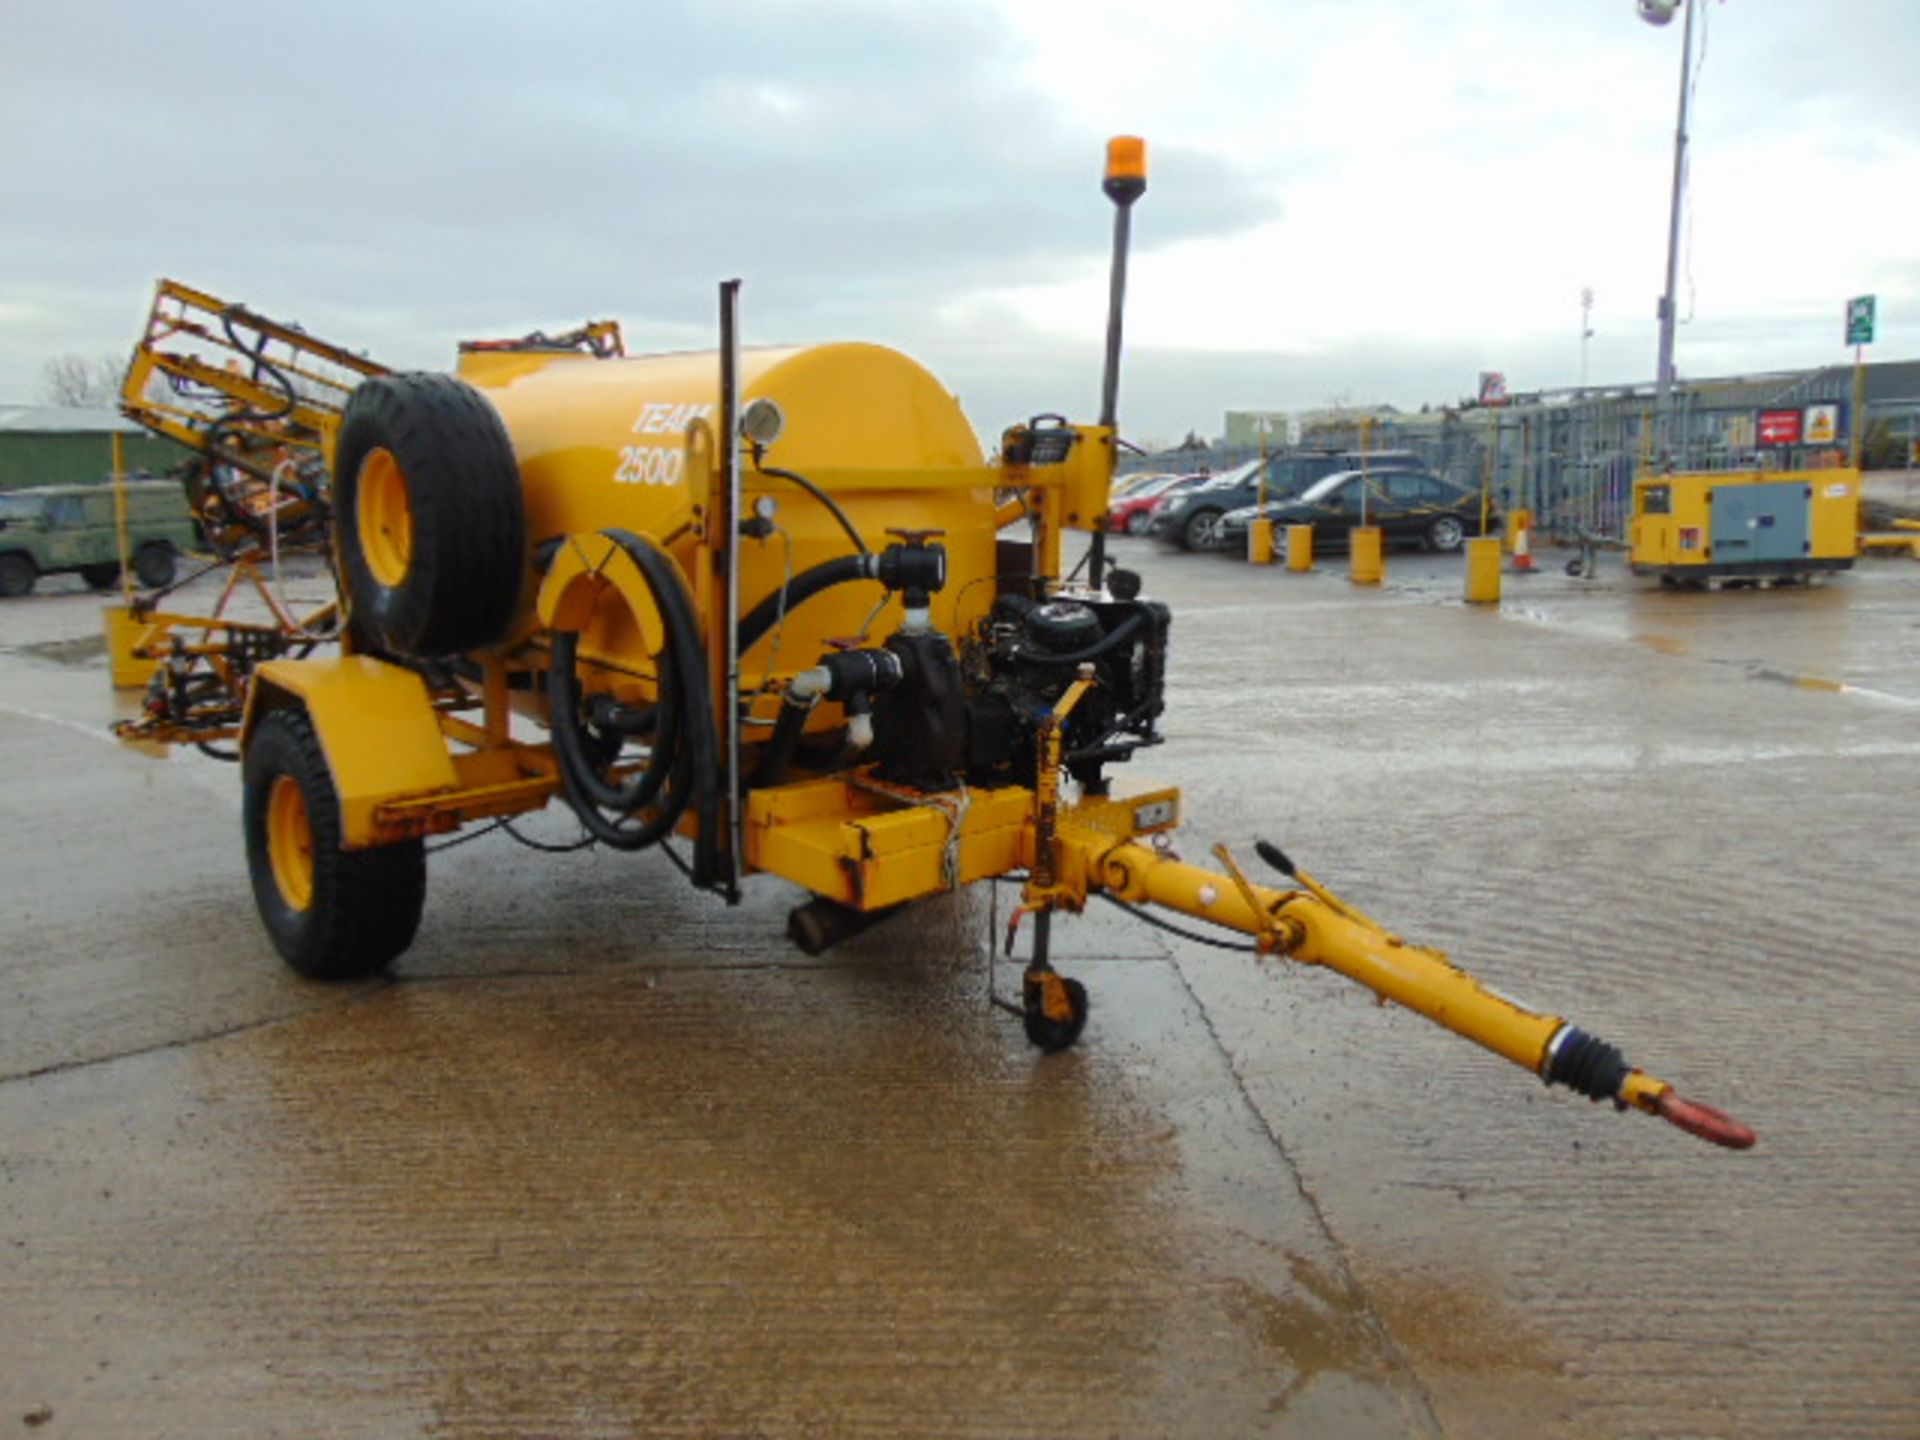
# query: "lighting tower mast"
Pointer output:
{"type": "Point", "coordinates": [1659, 12]}
{"type": "Point", "coordinates": [1586, 330]}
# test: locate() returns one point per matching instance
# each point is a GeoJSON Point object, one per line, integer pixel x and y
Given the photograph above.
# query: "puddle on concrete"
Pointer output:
{"type": "Point", "coordinates": [1664, 644]}
{"type": "Point", "coordinates": [680, 1194]}
{"type": "Point", "coordinates": [80, 650]}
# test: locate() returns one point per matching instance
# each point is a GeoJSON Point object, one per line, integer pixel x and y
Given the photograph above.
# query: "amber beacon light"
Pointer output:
{"type": "Point", "coordinates": [1126, 178]}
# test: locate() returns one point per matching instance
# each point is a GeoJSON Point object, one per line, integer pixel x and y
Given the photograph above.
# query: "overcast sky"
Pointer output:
{"type": "Point", "coordinates": [1366, 200]}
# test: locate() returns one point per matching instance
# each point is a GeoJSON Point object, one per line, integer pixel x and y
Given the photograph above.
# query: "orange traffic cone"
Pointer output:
{"type": "Point", "coordinates": [1523, 550]}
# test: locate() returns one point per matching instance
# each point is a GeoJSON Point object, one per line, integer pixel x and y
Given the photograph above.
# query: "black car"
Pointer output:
{"type": "Point", "coordinates": [1191, 519]}
{"type": "Point", "coordinates": [1411, 507]}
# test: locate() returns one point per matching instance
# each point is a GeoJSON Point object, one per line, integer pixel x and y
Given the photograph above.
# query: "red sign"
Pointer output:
{"type": "Point", "coordinates": [1779, 427]}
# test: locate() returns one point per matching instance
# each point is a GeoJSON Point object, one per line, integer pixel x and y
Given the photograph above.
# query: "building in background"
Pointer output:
{"type": "Point", "coordinates": [1570, 455]}
{"type": "Point", "coordinates": [62, 445]}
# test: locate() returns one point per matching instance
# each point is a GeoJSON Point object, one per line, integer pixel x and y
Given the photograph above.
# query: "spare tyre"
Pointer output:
{"type": "Point", "coordinates": [432, 526]}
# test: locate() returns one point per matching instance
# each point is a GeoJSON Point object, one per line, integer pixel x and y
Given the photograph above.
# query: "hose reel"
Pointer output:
{"type": "Point", "coordinates": [636, 805]}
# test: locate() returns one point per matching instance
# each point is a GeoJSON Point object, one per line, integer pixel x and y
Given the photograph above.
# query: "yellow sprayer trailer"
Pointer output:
{"type": "Point", "coordinates": [1712, 527]}
{"type": "Point", "coordinates": [768, 612]}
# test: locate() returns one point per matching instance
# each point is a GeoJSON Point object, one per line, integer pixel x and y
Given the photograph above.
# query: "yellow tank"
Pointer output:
{"type": "Point", "coordinates": [630, 444]}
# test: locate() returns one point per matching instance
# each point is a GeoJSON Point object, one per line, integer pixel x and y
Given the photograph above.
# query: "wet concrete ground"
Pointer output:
{"type": "Point", "coordinates": [602, 1158]}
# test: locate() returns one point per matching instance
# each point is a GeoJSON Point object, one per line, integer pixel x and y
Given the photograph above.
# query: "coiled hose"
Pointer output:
{"type": "Point", "coordinates": [682, 766]}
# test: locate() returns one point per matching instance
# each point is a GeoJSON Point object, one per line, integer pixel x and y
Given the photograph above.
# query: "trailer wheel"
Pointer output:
{"type": "Point", "coordinates": [1054, 1010]}
{"type": "Point", "coordinates": [432, 526]}
{"type": "Point", "coordinates": [333, 914]}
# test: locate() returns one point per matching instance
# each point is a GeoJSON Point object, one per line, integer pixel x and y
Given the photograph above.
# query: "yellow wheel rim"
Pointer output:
{"type": "Point", "coordinates": [290, 842]}
{"type": "Point", "coordinates": [385, 518]}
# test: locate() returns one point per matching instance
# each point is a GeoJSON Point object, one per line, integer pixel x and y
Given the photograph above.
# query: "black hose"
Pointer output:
{"type": "Point", "coordinates": [778, 755]}
{"type": "Point", "coordinates": [822, 496]}
{"type": "Point", "coordinates": [1123, 631]}
{"type": "Point", "coordinates": [802, 587]}
{"type": "Point", "coordinates": [1139, 913]}
{"type": "Point", "coordinates": [547, 847]}
{"type": "Point", "coordinates": [683, 768]}
{"type": "Point", "coordinates": [216, 433]}
{"type": "Point", "coordinates": [641, 790]}
{"type": "Point", "coordinates": [246, 415]}
{"type": "Point", "coordinates": [258, 355]}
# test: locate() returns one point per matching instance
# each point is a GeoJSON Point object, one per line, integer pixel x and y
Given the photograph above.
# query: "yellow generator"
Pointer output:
{"type": "Point", "coordinates": [764, 612]}
{"type": "Point", "coordinates": [1744, 526]}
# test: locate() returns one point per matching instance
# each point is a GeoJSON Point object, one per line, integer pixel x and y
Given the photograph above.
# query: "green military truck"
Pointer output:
{"type": "Point", "coordinates": [56, 529]}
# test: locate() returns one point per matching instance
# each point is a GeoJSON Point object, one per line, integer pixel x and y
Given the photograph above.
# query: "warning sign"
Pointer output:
{"type": "Point", "coordinates": [1779, 427]}
{"type": "Point", "coordinates": [1823, 424]}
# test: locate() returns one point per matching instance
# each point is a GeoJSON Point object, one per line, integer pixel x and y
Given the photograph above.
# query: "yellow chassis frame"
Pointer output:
{"type": "Point", "coordinates": [408, 763]}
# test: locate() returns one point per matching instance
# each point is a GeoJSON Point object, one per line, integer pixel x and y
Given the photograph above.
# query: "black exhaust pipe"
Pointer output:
{"type": "Point", "coordinates": [820, 924]}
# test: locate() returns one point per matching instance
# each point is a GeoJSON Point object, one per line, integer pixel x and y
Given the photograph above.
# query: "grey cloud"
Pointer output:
{"type": "Point", "coordinates": [380, 171]}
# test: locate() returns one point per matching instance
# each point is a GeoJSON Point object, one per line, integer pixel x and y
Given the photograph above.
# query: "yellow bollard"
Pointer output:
{"type": "Point", "coordinates": [1260, 542]}
{"type": "Point", "coordinates": [1517, 520]}
{"type": "Point", "coordinates": [1369, 563]}
{"type": "Point", "coordinates": [1300, 548]}
{"type": "Point", "coordinates": [123, 633]}
{"type": "Point", "coordinates": [1483, 571]}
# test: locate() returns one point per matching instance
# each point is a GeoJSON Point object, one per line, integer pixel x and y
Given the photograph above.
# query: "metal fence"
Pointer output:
{"type": "Point", "coordinates": [1571, 458]}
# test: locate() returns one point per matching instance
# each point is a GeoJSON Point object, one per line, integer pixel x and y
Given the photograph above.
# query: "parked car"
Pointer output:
{"type": "Point", "coordinates": [1131, 484]}
{"type": "Point", "coordinates": [54, 529]}
{"type": "Point", "coordinates": [1191, 519]}
{"type": "Point", "coordinates": [1412, 507]}
{"type": "Point", "coordinates": [1131, 511]}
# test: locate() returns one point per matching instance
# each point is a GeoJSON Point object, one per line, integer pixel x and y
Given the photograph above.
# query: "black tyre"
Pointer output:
{"type": "Point", "coordinates": [1446, 534]}
{"type": "Point", "coordinates": [101, 577]}
{"type": "Point", "coordinates": [431, 522]}
{"type": "Point", "coordinates": [333, 914]}
{"type": "Point", "coordinates": [1202, 530]}
{"type": "Point", "coordinates": [1054, 1010]}
{"type": "Point", "coordinates": [153, 565]}
{"type": "Point", "coordinates": [18, 575]}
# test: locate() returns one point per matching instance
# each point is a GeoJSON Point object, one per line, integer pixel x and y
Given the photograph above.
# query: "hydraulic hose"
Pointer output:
{"type": "Point", "coordinates": [1124, 631]}
{"type": "Point", "coordinates": [778, 755]}
{"type": "Point", "coordinates": [683, 767]}
{"type": "Point", "coordinates": [821, 495]}
{"type": "Point", "coordinates": [233, 422]}
{"type": "Point", "coordinates": [804, 586]}
{"type": "Point", "coordinates": [913, 568]}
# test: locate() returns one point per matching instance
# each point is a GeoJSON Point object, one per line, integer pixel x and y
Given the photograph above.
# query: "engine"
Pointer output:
{"type": "Point", "coordinates": [977, 714]}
